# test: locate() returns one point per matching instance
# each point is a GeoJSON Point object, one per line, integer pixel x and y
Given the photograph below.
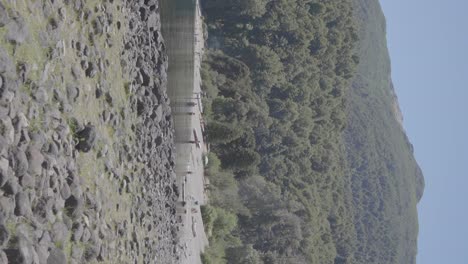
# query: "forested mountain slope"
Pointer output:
{"type": "Point", "coordinates": [304, 169]}
{"type": "Point", "coordinates": [386, 180]}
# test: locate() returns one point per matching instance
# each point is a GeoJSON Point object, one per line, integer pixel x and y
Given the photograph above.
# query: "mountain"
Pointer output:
{"type": "Point", "coordinates": [386, 181]}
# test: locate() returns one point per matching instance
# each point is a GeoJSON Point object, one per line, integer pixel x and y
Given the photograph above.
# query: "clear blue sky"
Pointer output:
{"type": "Point", "coordinates": [428, 43]}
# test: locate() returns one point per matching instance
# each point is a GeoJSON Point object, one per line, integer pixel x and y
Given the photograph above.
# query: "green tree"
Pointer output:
{"type": "Point", "coordinates": [218, 132]}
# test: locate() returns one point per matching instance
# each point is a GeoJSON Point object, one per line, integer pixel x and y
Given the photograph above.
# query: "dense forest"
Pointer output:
{"type": "Point", "coordinates": [308, 162]}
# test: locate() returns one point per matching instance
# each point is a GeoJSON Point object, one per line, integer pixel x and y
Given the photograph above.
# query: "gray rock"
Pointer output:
{"type": "Point", "coordinates": [56, 256]}
{"type": "Point", "coordinates": [45, 239]}
{"type": "Point", "coordinates": [17, 31]}
{"type": "Point", "coordinates": [27, 181]}
{"type": "Point", "coordinates": [4, 18]}
{"type": "Point", "coordinates": [59, 232]}
{"type": "Point", "coordinates": [77, 231]}
{"type": "Point", "coordinates": [3, 146]}
{"type": "Point", "coordinates": [42, 210]}
{"type": "Point", "coordinates": [4, 175]}
{"type": "Point", "coordinates": [74, 206]}
{"type": "Point", "coordinates": [6, 65]}
{"type": "Point", "coordinates": [86, 138]}
{"type": "Point", "coordinates": [72, 93]}
{"type": "Point", "coordinates": [77, 253]}
{"type": "Point", "coordinates": [21, 121]}
{"type": "Point", "coordinates": [86, 235]}
{"type": "Point", "coordinates": [4, 235]}
{"type": "Point", "coordinates": [7, 205]}
{"type": "Point", "coordinates": [65, 191]}
{"type": "Point", "coordinates": [23, 252]}
{"type": "Point", "coordinates": [7, 97]}
{"type": "Point", "coordinates": [1, 82]}
{"type": "Point", "coordinates": [19, 162]}
{"type": "Point", "coordinates": [91, 71]}
{"type": "Point", "coordinates": [35, 160]}
{"type": "Point", "coordinates": [40, 95]}
{"type": "Point", "coordinates": [91, 253]}
{"type": "Point", "coordinates": [158, 114]}
{"type": "Point", "coordinates": [53, 149]}
{"type": "Point", "coordinates": [3, 257]}
{"type": "Point", "coordinates": [42, 253]}
{"type": "Point", "coordinates": [7, 130]}
{"type": "Point", "coordinates": [23, 205]}
{"type": "Point", "coordinates": [11, 187]}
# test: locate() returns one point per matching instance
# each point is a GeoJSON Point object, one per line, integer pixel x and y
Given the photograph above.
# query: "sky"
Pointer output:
{"type": "Point", "coordinates": [428, 43]}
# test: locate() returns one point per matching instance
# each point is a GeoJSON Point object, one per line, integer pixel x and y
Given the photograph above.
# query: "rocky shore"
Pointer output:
{"type": "Point", "coordinates": [86, 134]}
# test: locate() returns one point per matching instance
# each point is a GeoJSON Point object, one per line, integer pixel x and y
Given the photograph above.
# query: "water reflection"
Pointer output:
{"type": "Point", "coordinates": [178, 26]}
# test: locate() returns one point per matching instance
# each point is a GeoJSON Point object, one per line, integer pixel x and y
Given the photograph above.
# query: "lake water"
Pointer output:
{"type": "Point", "coordinates": [178, 26]}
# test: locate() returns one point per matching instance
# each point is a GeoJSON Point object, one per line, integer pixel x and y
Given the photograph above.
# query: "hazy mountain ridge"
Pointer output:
{"type": "Point", "coordinates": [380, 155]}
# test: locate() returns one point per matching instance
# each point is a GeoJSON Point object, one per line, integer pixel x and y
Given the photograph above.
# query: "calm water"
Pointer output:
{"type": "Point", "coordinates": [178, 27]}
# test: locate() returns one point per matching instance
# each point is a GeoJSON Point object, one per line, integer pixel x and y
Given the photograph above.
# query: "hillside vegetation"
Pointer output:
{"type": "Point", "coordinates": [304, 169]}
{"type": "Point", "coordinates": [386, 180]}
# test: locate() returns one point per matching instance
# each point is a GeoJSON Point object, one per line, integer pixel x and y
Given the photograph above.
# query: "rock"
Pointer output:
{"type": "Point", "coordinates": [109, 99]}
{"type": "Point", "coordinates": [56, 256]}
{"type": "Point", "coordinates": [4, 236]}
{"type": "Point", "coordinates": [59, 232]}
{"type": "Point", "coordinates": [17, 31]}
{"type": "Point", "coordinates": [76, 72]}
{"type": "Point", "coordinates": [7, 130]}
{"type": "Point", "coordinates": [53, 149]}
{"type": "Point", "coordinates": [104, 253]}
{"type": "Point", "coordinates": [43, 210]}
{"type": "Point", "coordinates": [40, 95]}
{"type": "Point", "coordinates": [4, 18]}
{"type": "Point", "coordinates": [86, 235]}
{"type": "Point", "coordinates": [23, 205]}
{"type": "Point", "coordinates": [11, 187]}
{"type": "Point", "coordinates": [91, 253]}
{"type": "Point", "coordinates": [158, 114]}
{"type": "Point", "coordinates": [3, 257]}
{"type": "Point", "coordinates": [27, 181]}
{"type": "Point", "coordinates": [72, 93]}
{"type": "Point", "coordinates": [23, 252]}
{"type": "Point", "coordinates": [21, 122]}
{"type": "Point", "coordinates": [7, 97]}
{"type": "Point", "coordinates": [77, 253]}
{"type": "Point", "coordinates": [1, 82]}
{"type": "Point", "coordinates": [91, 71]}
{"type": "Point", "coordinates": [65, 191]}
{"type": "Point", "coordinates": [42, 253]}
{"type": "Point", "coordinates": [35, 160]}
{"type": "Point", "coordinates": [6, 65]}
{"type": "Point", "coordinates": [3, 146]}
{"type": "Point", "coordinates": [74, 206]}
{"type": "Point", "coordinates": [77, 231]}
{"type": "Point", "coordinates": [86, 138]}
{"type": "Point", "coordinates": [98, 92]}
{"type": "Point", "coordinates": [7, 205]}
{"type": "Point", "coordinates": [145, 77]}
{"type": "Point", "coordinates": [4, 175]}
{"type": "Point", "coordinates": [19, 162]}
{"type": "Point", "coordinates": [45, 239]}
{"type": "Point", "coordinates": [84, 64]}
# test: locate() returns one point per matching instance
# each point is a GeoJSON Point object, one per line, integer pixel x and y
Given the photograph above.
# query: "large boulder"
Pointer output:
{"type": "Point", "coordinates": [56, 256]}
{"type": "Point", "coordinates": [18, 32]}
{"type": "Point", "coordinates": [86, 138]}
{"type": "Point", "coordinates": [4, 17]}
{"type": "Point", "coordinates": [35, 160]}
